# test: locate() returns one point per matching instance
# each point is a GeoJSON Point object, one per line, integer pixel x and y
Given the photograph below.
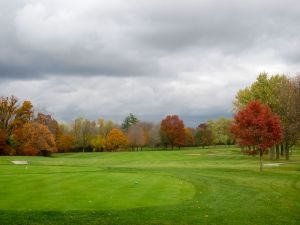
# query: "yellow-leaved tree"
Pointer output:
{"type": "Point", "coordinates": [115, 140]}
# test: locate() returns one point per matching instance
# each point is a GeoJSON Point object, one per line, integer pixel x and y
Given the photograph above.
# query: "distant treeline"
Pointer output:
{"type": "Point", "coordinates": [23, 132]}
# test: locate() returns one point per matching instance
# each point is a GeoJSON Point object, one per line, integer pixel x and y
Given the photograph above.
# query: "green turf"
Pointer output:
{"type": "Point", "coordinates": [190, 186]}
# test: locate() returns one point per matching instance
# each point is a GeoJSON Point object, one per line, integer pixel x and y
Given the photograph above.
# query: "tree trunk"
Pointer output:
{"type": "Point", "coordinates": [277, 151]}
{"type": "Point", "coordinates": [172, 146]}
{"type": "Point", "coordinates": [281, 149]}
{"type": "Point", "coordinates": [287, 151]}
{"type": "Point", "coordinates": [272, 153]}
{"type": "Point", "coordinates": [260, 159]}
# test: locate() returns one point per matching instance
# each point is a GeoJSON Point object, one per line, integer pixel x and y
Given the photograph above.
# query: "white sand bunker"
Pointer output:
{"type": "Point", "coordinates": [273, 164]}
{"type": "Point", "coordinates": [193, 154]}
{"type": "Point", "coordinates": [20, 162]}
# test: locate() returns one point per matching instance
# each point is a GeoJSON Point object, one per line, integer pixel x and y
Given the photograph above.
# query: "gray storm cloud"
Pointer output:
{"type": "Point", "coordinates": [152, 58]}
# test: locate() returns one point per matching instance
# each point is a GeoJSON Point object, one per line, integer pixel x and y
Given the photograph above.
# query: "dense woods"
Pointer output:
{"type": "Point", "coordinates": [267, 120]}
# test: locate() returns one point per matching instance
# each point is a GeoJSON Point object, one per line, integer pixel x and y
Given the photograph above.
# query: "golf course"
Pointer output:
{"type": "Point", "coordinates": [215, 185]}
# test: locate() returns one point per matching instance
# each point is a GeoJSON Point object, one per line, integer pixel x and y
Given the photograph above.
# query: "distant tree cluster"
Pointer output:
{"type": "Point", "coordinates": [23, 132]}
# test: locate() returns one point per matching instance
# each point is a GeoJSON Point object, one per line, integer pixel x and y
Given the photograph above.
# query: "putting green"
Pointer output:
{"type": "Point", "coordinates": [74, 188]}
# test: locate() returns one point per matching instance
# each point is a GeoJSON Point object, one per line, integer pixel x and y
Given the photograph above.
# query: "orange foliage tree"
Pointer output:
{"type": "Point", "coordinates": [65, 142]}
{"type": "Point", "coordinates": [172, 131]}
{"type": "Point", "coordinates": [49, 122]}
{"type": "Point", "coordinates": [115, 139]}
{"type": "Point", "coordinates": [189, 139]}
{"type": "Point", "coordinates": [5, 149]}
{"type": "Point", "coordinates": [257, 126]}
{"type": "Point", "coordinates": [35, 139]}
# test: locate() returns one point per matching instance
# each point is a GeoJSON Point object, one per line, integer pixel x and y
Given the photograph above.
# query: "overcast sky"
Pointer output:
{"type": "Point", "coordinates": [99, 58]}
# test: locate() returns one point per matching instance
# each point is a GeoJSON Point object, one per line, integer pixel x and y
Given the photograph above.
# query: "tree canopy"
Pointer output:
{"type": "Point", "coordinates": [257, 126]}
{"type": "Point", "coordinates": [172, 131]}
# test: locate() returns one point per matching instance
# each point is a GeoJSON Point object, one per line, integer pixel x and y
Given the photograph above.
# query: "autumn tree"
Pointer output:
{"type": "Point", "coordinates": [98, 143]}
{"type": "Point", "coordinates": [172, 131]}
{"type": "Point", "coordinates": [136, 136]}
{"type": "Point", "coordinates": [280, 94]}
{"type": "Point", "coordinates": [128, 121]}
{"type": "Point", "coordinates": [153, 136]}
{"type": "Point", "coordinates": [256, 125]}
{"type": "Point", "coordinates": [24, 114]}
{"type": "Point", "coordinates": [105, 126]}
{"type": "Point", "coordinates": [189, 139]}
{"type": "Point", "coordinates": [5, 149]}
{"type": "Point", "coordinates": [3, 143]}
{"type": "Point", "coordinates": [35, 139]}
{"type": "Point", "coordinates": [49, 122]}
{"type": "Point", "coordinates": [83, 130]}
{"type": "Point", "coordinates": [8, 108]}
{"type": "Point", "coordinates": [146, 128]}
{"type": "Point", "coordinates": [65, 142]}
{"type": "Point", "coordinates": [203, 136]}
{"type": "Point", "coordinates": [289, 98]}
{"type": "Point", "coordinates": [13, 116]}
{"type": "Point", "coordinates": [115, 140]}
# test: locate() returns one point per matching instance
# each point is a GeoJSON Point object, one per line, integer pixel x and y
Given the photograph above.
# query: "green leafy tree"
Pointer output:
{"type": "Point", "coordinates": [128, 121]}
{"type": "Point", "coordinates": [221, 131]}
{"type": "Point", "coordinates": [83, 130]}
{"type": "Point", "coordinates": [203, 136]}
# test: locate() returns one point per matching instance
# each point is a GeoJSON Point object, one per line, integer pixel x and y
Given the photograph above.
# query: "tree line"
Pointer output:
{"type": "Point", "coordinates": [267, 110]}
{"type": "Point", "coordinates": [26, 132]}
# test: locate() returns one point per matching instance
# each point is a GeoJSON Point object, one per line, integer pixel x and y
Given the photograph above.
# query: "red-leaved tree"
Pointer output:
{"type": "Point", "coordinates": [172, 131]}
{"type": "Point", "coordinates": [257, 126]}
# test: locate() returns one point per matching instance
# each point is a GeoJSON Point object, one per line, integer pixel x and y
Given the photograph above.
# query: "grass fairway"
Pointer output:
{"type": "Point", "coordinates": [192, 186]}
